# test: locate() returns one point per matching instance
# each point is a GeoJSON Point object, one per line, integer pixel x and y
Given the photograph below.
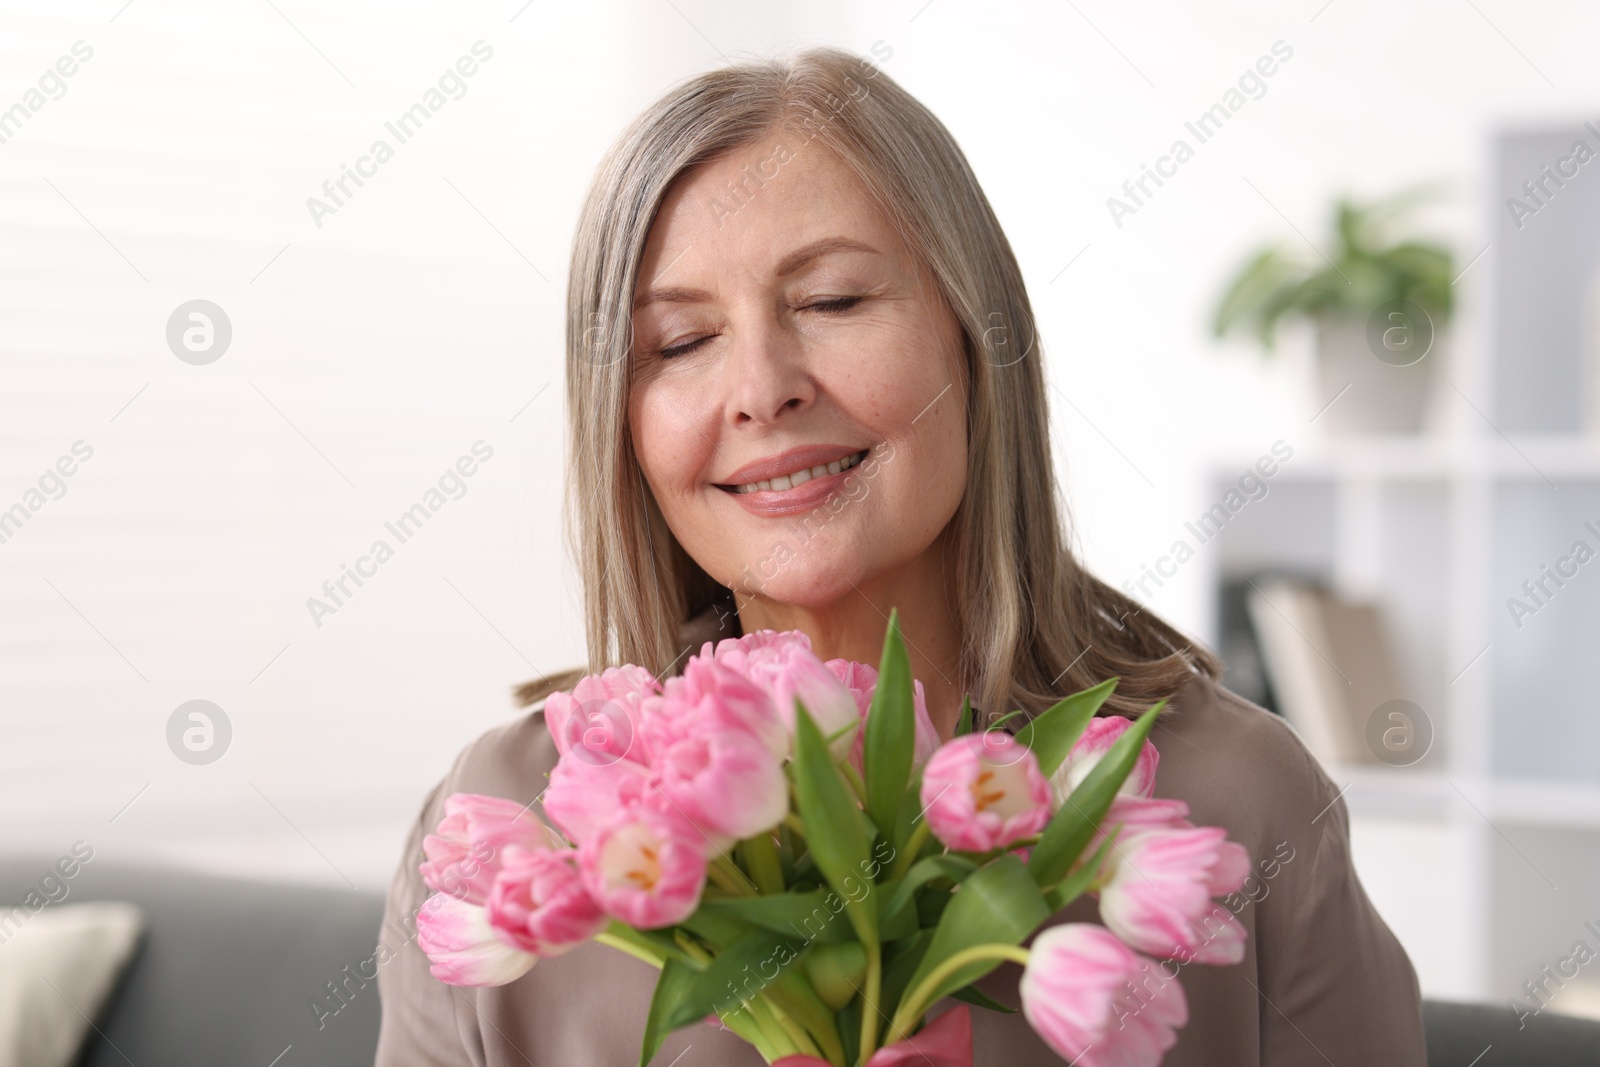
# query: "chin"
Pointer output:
{"type": "Point", "coordinates": [812, 583]}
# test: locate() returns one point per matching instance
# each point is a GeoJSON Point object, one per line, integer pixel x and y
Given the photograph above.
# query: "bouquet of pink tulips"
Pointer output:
{"type": "Point", "coordinates": [789, 843]}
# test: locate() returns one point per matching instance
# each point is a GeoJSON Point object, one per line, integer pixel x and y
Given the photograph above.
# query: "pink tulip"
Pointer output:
{"type": "Point", "coordinates": [1158, 894]}
{"type": "Point", "coordinates": [1098, 1003]}
{"type": "Point", "coordinates": [599, 720]}
{"type": "Point", "coordinates": [645, 867]}
{"type": "Point", "coordinates": [945, 1042]}
{"type": "Point", "coordinates": [1127, 814]}
{"type": "Point", "coordinates": [582, 795]}
{"type": "Point", "coordinates": [1146, 813]}
{"type": "Point", "coordinates": [984, 791]}
{"type": "Point", "coordinates": [862, 680]}
{"type": "Point", "coordinates": [927, 738]}
{"type": "Point", "coordinates": [539, 904]}
{"type": "Point", "coordinates": [463, 949]}
{"type": "Point", "coordinates": [859, 678]}
{"type": "Point", "coordinates": [1137, 813]}
{"type": "Point", "coordinates": [463, 854]}
{"type": "Point", "coordinates": [1096, 740]}
{"type": "Point", "coordinates": [710, 694]}
{"type": "Point", "coordinates": [724, 781]}
{"type": "Point", "coordinates": [784, 665]}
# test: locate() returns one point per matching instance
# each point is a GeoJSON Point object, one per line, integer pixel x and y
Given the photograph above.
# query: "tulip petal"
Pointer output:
{"type": "Point", "coordinates": [1098, 1003]}
{"type": "Point", "coordinates": [984, 791]}
{"type": "Point", "coordinates": [463, 949]}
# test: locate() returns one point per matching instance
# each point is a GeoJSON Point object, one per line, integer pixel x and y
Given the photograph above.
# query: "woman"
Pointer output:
{"type": "Point", "coordinates": [803, 389]}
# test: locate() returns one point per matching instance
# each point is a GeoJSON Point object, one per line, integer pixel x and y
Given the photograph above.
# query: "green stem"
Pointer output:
{"type": "Point", "coordinates": [793, 992]}
{"type": "Point", "coordinates": [634, 949]}
{"type": "Point", "coordinates": [722, 871]}
{"type": "Point", "coordinates": [793, 822]}
{"type": "Point", "coordinates": [777, 1039]}
{"type": "Point", "coordinates": [869, 1004]}
{"type": "Point", "coordinates": [761, 855]}
{"type": "Point", "coordinates": [749, 1027]}
{"type": "Point", "coordinates": [912, 1005]}
{"type": "Point", "coordinates": [794, 1030]}
{"type": "Point", "coordinates": [908, 855]}
{"type": "Point", "coordinates": [740, 1022]}
{"type": "Point", "coordinates": [853, 776]}
{"type": "Point", "coordinates": [694, 952]}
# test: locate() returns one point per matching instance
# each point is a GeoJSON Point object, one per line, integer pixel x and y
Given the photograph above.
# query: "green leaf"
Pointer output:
{"type": "Point", "coordinates": [1366, 270]}
{"type": "Point", "coordinates": [971, 995]}
{"type": "Point", "coordinates": [923, 871]}
{"type": "Point", "coordinates": [792, 993]}
{"type": "Point", "coordinates": [1268, 274]}
{"type": "Point", "coordinates": [787, 852]}
{"type": "Point", "coordinates": [910, 815]}
{"type": "Point", "coordinates": [659, 941]}
{"type": "Point", "coordinates": [1054, 731]}
{"type": "Point", "coordinates": [999, 902]}
{"type": "Point", "coordinates": [964, 721]}
{"type": "Point", "coordinates": [1007, 717]}
{"type": "Point", "coordinates": [930, 908]}
{"type": "Point", "coordinates": [746, 961]}
{"type": "Point", "coordinates": [809, 916]}
{"type": "Point", "coordinates": [1073, 886]}
{"type": "Point", "coordinates": [900, 961]}
{"type": "Point", "coordinates": [897, 917]}
{"type": "Point", "coordinates": [835, 832]}
{"type": "Point", "coordinates": [672, 988]}
{"type": "Point", "coordinates": [850, 1029]}
{"type": "Point", "coordinates": [889, 741]}
{"type": "Point", "coordinates": [1074, 825]}
{"type": "Point", "coordinates": [717, 928]}
{"type": "Point", "coordinates": [784, 913]}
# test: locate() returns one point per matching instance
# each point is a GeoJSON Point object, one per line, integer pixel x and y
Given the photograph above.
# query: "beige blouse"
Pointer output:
{"type": "Point", "coordinates": [1323, 980]}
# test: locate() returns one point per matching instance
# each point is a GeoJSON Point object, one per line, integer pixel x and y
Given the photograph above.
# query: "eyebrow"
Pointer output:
{"type": "Point", "coordinates": [674, 294]}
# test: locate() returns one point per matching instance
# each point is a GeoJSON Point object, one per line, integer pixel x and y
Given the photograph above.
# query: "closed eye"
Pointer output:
{"type": "Point", "coordinates": [833, 305]}
{"type": "Point", "coordinates": [686, 347]}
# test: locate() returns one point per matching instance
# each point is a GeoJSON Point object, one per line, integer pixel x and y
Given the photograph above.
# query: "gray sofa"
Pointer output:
{"type": "Point", "coordinates": [236, 972]}
{"type": "Point", "coordinates": [229, 972]}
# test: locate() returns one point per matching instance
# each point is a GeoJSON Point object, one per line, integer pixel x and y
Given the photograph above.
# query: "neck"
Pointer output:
{"type": "Point", "coordinates": [853, 626]}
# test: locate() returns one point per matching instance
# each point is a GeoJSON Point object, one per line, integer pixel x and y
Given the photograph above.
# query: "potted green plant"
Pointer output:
{"type": "Point", "coordinates": [1379, 307]}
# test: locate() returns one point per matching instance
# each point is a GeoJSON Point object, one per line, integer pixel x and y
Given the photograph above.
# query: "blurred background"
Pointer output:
{"type": "Point", "coordinates": [221, 376]}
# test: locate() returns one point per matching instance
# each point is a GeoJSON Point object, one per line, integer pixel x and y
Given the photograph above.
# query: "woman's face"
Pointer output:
{"type": "Point", "coordinates": [782, 327]}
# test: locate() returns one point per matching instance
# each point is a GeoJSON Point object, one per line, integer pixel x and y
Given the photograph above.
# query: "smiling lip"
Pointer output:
{"type": "Point", "coordinates": [793, 460]}
{"type": "Point", "coordinates": [772, 503]}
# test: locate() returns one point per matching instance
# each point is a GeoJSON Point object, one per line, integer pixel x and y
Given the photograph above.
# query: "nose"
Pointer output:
{"type": "Point", "coordinates": [765, 372]}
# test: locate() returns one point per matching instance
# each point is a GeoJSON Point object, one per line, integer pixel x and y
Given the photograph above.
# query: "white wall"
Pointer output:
{"type": "Point", "coordinates": [423, 316]}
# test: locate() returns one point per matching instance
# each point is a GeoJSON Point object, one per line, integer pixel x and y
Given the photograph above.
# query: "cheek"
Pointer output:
{"type": "Point", "coordinates": [915, 396]}
{"type": "Point", "coordinates": [935, 473]}
{"type": "Point", "coordinates": [888, 382]}
{"type": "Point", "coordinates": [646, 433]}
{"type": "Point", "coordinates": [661, 441]}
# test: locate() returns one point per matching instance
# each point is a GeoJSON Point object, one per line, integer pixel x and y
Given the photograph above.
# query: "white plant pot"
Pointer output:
{"type": "Point", "coordinates": [1383, 376]}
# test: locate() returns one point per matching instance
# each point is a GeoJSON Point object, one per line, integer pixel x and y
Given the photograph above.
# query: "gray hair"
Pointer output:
{"type": "Point", "coordinates": [1034, 623]}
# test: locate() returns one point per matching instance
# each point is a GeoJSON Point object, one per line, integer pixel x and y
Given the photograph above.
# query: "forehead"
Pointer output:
{"type": "Point", "coordinates": [746, 210]}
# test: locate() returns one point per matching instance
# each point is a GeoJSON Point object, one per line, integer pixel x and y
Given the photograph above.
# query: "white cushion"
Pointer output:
{"type": "Point", "coordinates": [56, 970]}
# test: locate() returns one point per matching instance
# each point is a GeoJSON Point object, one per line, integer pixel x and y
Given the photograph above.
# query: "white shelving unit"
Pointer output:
{"type": "Point", "coordinates": [1484, 856]}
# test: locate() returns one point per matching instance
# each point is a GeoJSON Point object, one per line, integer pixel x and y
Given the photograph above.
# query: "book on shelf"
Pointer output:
{"type": "Point", "coordinates": [1328, 662]}
{"type": "Point", "coordinates": [1243, 670]}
